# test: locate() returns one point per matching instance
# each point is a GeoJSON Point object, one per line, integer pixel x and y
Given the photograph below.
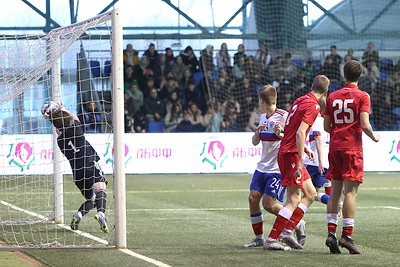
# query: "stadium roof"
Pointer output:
{"type": "Point", "coordinates": [356, 22]}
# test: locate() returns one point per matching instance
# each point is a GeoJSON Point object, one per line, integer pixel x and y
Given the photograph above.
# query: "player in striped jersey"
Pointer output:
{"type": "Point", "coordinates": [266, 182]}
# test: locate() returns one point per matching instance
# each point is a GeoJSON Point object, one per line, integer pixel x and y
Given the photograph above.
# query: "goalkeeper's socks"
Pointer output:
{"type": "Point", "coordinates": [321, 197]}
{"type": "Point", "coordinates": [101, 200]}
{"type": "Point", "coordinates": [86, 207]}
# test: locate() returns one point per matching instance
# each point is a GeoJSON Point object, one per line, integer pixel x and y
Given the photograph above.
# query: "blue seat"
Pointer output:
{"type": "Point", "coordinates": [156, 127]}
{"type": "Point", "coordinates": [298, 62]}
{"type": "Point", "coordinates": [334, 87]}
{"type": "Point", "coordinates": [316, 63]}
{"type": "Point", "coordinates": [383, 75]}
{"type": "Point", "coordinates": [197, 76]}
{"type": "Point", "coordinates": [95, 68]}
{"type": "Point", "coordinates": [386, 62]}
{"type": "Point", "coordinates": [107, 68]}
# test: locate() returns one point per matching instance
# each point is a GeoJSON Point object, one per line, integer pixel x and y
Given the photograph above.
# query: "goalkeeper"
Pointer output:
{"type": "Point", "coordinates": [82, 157]}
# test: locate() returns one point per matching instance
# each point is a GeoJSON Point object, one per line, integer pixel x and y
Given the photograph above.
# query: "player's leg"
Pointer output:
{"type": "Point", "coordinates": [85, 207]}
{"type": "Point", "coordinates": [99, 189]}
{"type": "Point", "coordinates": [273, 191]}
{"type": "Point", "coordinates": [285, 161]}
{"type": "Point", "coordinates": [349, 206]}
{"type": "Point", "coordinates": [309, 195]}
{"type": "Point", "coordinates": [335, 175]}
{"type": "Point", "coordinates": [257, 186]}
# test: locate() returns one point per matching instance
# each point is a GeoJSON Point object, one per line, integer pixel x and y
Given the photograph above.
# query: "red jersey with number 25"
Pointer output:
{"type": "Point", "coordinates": [305, 108]}
{"type": "Point", "coordinates": [344, 107]}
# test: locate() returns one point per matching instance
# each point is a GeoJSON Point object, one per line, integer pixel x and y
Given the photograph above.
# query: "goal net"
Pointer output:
{"type": "Point", "coordinates": [76, 65]}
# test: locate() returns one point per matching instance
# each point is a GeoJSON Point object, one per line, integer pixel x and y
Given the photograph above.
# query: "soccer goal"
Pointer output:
{"type": "Point", "coordinates": [81, 66]}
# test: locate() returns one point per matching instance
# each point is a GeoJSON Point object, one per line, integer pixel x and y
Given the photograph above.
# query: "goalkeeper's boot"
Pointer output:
{"type": "Point", "coordinates": [76, 219]}
{"type": "Point", "coordinates": [347, 242]}
{"type": "Point", "coordinates": [257, 242]}
{"type": "Point", "coordinates": [332, 244]}
{"type": "Point", "coordinates": [300, 231]}
{"type": "Point", "coordinates": [101, 219]}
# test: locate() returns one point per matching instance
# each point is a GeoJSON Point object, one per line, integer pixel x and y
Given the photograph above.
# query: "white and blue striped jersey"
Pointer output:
{"type": "Point", "coordinates": [270, 142]}
{"type": "Point", "coordinates": [317, 129]}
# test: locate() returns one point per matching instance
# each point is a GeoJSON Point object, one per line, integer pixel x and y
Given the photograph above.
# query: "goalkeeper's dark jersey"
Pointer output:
{"type": "Point", "coordinates": [79, 152]}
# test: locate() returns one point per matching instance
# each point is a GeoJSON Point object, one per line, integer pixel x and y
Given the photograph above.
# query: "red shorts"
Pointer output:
{"type": "Point", "coordinates": [288, 165]}
{"type": "Point", "coordinates": [346, 165]}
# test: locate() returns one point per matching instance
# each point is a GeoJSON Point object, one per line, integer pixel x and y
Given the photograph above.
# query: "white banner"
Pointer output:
{"type": "Point", "coordinates": [173, 153]}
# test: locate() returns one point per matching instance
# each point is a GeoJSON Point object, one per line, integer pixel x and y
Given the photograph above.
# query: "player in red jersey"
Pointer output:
{"type": "Point", "coordinates": [295, 177]}
{"type": "Point", "coordinates": [346, 116]}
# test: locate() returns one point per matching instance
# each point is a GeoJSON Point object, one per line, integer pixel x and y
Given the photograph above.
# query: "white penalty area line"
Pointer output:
{"type": "Point", "coordinates": [87, 235]}
{"type": "Point", "coordinates": [321, 207]}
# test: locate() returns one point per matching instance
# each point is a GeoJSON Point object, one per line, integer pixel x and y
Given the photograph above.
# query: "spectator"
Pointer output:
{"type": "Point", "coordinates": [253, 70]}
{"type": "Point", "coordinates": [240, 53]}
{"type": "Point", "coordinates": [186, 78]}
{"type": "Point", "coordinates": [130, 56]}
{"type": "Point", "coordinates": [131, 74]}
{"type": "Point", "coordinates": [154, 107]}
{"type": "Point", "coordinates": [239, 69]}
{"type": "Point", "coordinates": [149, 82]}
{"type": "Point", "coordinates": [140, 122]}
{"type": "Point", "coordinates": [263, 58]}
{"type": "Point", "coordinates": [350, 52]}
{"type": "Point", "coordinates": [280, 81]}
{"type": "Point", "coordinates": [289, 67]}
{"type": "Point", "coordinates": [190, 94]}
{"type": "Point", "coordinates": [172, 99]}
{"type": "Point", "coordinates": [152, 54]}
{"type": "Point", "coordinates": [254, 119]}
{"type": "Point", "coordinates": [195, 114]}
{"type": "Point", "coordinates": [370, 55]}
{"type": "Point", "coordinates": [206, 86]}
{"type": "Point", "coordinates": [276, 68]}
{"type": "Point", "coordinates": [91, 118]}
{"type": "Point", "coordinates": [309, 72]}
{"type": "Point", "coordinates": [206, 59]}
{"type": "Point", "coordinates": [223, 58]}
{"type": "Point", "coordinates": [330, 70]}
{"type": "Point", "coordinates": [161, 69]}
{"type": "Point", "coordinates": [177, 68]}
{"type": "Point", "coordinates": [173, 118]}
{"type": "Point", "coordinates": [170, 86]}
{"type": "Point", "coordinates": [169, 55]}
{"type": "Point", "coordinates": [214, 119]}
{"type": "Point", "coordinates": [145, 66]}
{"type": "Point", "coordinates": [186, 125]}
{"type": "Point", "coordinates": [190, 59]}
{"type": "Point", "coordinates": [136, 98]}
{"type": "Point", "coordinates": [337, 59]}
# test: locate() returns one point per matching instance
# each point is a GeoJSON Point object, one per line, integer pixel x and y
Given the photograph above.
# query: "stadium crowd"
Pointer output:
{"type": "Point", "coordinates": [217, 92]}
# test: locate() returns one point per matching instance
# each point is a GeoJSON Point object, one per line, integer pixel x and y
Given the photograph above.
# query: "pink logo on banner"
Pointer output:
{"type": "Point", "coordinates": [394, 152]}
{"type": "Point", "coordinates": [213, 153]}
{"type": "Point", "coordinates": [109, 154]}
{"type": "Point", "coordinates": [21, 154]}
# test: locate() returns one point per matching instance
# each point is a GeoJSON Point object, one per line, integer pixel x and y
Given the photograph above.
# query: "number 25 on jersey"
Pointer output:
{"type": "Point", "coordinates": [343, 112]}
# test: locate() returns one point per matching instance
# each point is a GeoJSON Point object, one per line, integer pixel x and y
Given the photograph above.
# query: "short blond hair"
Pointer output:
{"type": "Point", "coordinates": [268, 94]}
{"type": "Point", "coordinates": [320, 84]}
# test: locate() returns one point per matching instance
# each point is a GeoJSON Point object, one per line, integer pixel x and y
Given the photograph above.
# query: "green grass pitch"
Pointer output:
{"type": "Point", "coordinates": [203, 220]}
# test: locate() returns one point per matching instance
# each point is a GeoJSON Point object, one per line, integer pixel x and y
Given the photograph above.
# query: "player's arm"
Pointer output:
{"type": "Point", "coordinates": [367, 128]}
{"type": "Point", "coordinates": [256, 137]}
{"type": "Point", "coordinates": [327, 123]}
{"type": "Point", "coordinates": [318, 144]}
{"type": "Point", "coordinates": [300, 144]}
{"type": "Point", "coordinates": [279, 130]}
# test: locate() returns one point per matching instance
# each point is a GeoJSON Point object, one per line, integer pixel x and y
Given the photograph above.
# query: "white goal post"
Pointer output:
{"type": "Point", "coordinates": [80, 65]}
